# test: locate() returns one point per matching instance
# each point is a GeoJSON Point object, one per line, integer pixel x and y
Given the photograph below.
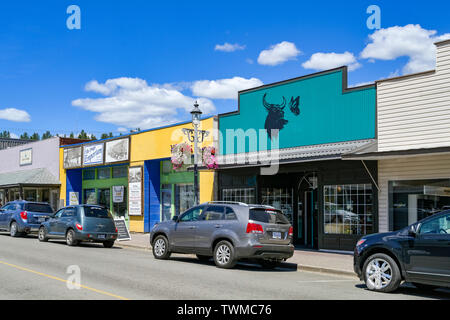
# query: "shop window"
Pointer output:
{"type": "Point", "coordinates": [279, 198]}
{"type": "Point", "coordinates": [120, 208]}
{"type": "Point", "coordinates": [30, 195]}
{"type": "Point", "coordinates": [104, 173]}
{"type": "Point", "coordinates": [166, 202]}
{"type": "Point", "coordinates": [184, 197]}
{"type": "Point", "coordinates": [104, 198]}
{"type": "Point", "coordinates": [89, 196]}
{"type": "Point", "coordinates": [120, 172]}
{"type": "Point", "coordinates": [89, 174]}
{"type": "Point", "coordinates": [245, 195]}
{"type": "Point", "coordinates": [414, 200]}
{"type": "Point", "coordinates": [348, 209]}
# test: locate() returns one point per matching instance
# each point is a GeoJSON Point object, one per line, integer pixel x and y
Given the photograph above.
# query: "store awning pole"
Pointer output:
{"type": "Point", "coordinates": [373, 180]}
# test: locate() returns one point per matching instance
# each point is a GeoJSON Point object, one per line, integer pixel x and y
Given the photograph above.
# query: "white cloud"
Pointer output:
{"type": "Point", "coordinates": [325, 61]}
{"type": "Point", "coordinates": [14, 136]}
{"type": "Point", "coordinates": [360, 84]}
{"type": "Point", "coordinates": [409, 41]}
{"type": "Point", "coordinates": [122, 129]}
{"type": "Point", "coordinates": [227, 47]}
{"type": "Point", "coordinates": [223, 88]}
{"type": "Point", "coordinates": [278, 53]}
{"type": "Point", "coordinates": [132, 103]}
{"type": "Point", "coordinates": [16, 115]}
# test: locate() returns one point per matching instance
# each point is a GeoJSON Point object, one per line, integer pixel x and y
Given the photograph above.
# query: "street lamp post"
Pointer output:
{"type": "Point", "coordinates": [193, 135]}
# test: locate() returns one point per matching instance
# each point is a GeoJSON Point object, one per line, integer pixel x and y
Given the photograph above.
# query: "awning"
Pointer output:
{"type": "Point", "coordinates": [33, 177]}
{"type": "Point", "coordinates": [328, 151]}
{"type": "Point", "coordinates": [370, 152]}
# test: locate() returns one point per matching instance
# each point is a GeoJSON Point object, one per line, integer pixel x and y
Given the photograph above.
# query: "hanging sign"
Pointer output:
{"type": "Point", "coordinates": [135, 191]}
{"type": "Point", "coordinates": [118, 194]}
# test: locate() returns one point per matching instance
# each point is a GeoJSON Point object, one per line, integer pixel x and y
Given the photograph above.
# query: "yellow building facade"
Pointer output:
{"type": "Point", "coordinates": [133, 175]}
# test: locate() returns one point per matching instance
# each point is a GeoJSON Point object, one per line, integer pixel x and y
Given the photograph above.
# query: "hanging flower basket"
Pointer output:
{"type": "Point", "coordinates": [181, 154]}
{"type": "Point", "coordinates": [209, 157]}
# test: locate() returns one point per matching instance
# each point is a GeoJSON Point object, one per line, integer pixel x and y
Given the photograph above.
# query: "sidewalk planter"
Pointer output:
{"type": "Point", "coordinates": [301, 127]}
{"type": "Point", "coordinates": [140, 165]}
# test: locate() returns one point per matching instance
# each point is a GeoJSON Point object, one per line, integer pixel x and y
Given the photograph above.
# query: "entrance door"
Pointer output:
{"type": "Point", "coordinates": [310, 213]}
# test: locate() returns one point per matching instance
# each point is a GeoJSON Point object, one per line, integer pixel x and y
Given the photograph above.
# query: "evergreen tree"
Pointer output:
{"type": "Point", "coordinates": [25, 136]}
{"type": "Point", "coordinates": [104, 136]}
{"type": "Point", "coordinates": [46, 135]}
{"type": "Point", "coordinates": [35, 136]}
{"type": "Point", "coordinates": [72, 135]}
{"type": "Point", "coordinates": [83, 135]}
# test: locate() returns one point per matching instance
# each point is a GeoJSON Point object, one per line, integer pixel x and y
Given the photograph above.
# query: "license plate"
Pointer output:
{"type": "Point", "coordinates": [101, 236]}
{"type": "Point", "coordinates": [276, 235]}
{"type": "Point", "coordinates": [42, 219]}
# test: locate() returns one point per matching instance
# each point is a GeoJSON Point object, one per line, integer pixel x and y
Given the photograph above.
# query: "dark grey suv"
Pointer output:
{"type": "Point", "coordinates": [228, 232]}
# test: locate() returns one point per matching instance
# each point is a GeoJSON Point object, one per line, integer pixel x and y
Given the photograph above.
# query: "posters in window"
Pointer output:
{"type": "Point", "coordinates": [117, 150]}
{"type": "Point", "coordinates": [135, 191]}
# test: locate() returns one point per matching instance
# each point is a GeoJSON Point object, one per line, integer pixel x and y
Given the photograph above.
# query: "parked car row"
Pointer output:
{"type": "Point", "coordinates": [75, 224]}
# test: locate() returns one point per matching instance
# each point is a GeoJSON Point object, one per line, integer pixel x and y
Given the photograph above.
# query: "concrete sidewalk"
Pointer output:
{"type": "Point", "coordinates": [305, 259]}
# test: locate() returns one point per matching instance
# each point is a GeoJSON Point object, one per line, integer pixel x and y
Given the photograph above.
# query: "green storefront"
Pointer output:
{"type": "Point", "coordinates": [177, 190]}
{"type": "Point", "coordinates": [99, 184]}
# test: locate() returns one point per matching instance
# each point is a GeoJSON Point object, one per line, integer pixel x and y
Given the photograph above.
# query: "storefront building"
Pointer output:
{"type": "Point", "coordinates": [283, 148]}
{"type": "Point", "coordinates": [132, 175]}
{"type": "Point", "coordinates": [413, 145]}
{"type": "Point", "coordinates": [31, 171]}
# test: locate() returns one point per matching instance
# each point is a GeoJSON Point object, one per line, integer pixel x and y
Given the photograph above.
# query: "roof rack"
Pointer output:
{"type": "Point", "coordinates": [227, 202]}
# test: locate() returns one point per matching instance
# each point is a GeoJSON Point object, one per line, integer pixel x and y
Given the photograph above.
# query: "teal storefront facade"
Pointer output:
{"type": "Point", "coordinates": [306, 124]}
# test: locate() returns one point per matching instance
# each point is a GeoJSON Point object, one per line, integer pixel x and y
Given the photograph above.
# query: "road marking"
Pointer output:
{"type": "Point", "coordinates": [62, 280]}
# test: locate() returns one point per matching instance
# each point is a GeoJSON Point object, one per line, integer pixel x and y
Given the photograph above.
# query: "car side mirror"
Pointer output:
{"type": "Point", "coordinates": [175, 218]}
{"type": "Point", "coordinates": [412, 231]}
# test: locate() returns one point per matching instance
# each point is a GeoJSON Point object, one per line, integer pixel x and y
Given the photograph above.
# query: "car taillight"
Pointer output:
{"type": "Point", "coordinates": [116, 230]}
{"type": "Point", "coordinates": [79, 227]}
{"type": "Point", "coordinates": [24, 216]}
{"type": "Point", "coordinates": [291, 231]}
{"type": "Point", "coordinates": [254, 228]}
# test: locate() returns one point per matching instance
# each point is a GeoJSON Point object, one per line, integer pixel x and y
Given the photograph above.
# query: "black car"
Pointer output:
{"type": "Point", "coordinates": [419, 254]}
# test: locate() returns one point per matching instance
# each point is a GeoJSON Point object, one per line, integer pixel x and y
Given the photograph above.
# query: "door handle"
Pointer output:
{"type": "Point", "coordinates": [218, 226]}
{"type": "Point", "coordinates": [192, 227]}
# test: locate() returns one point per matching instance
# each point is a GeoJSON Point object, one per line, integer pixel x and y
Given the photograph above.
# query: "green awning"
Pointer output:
{"type": "Point", "coordinates": [33, 177]}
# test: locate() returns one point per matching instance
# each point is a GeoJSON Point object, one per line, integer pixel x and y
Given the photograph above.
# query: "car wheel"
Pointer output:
{"type": "Point", "coordinates": [70, 238]}
{"type": "Point", "coordinates": [381, 273]}
{"type": "Point", "coordinates": [42, 235]}
{"type": "Point", "coordinates": [14, 230]}
{"type": "Point", "coordinates": [224, 256]}
{"type": "Point", "coordinates": [425, 287]}
{"type": "Point", "coordinates": [161, 248]}
{"type": "Point", "coordinates": [269, 264]}
{"type": "Point", "coordinates": [203, 258]}
{"type": "Point", "coordinates": [108, 244]}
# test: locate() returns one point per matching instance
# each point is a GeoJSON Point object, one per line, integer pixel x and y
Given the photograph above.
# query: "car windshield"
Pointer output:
{"type": "Point", "coordinates": [96, 212]}
{"type": "Point", "coordinates": [38, 207]}
{"type": "Point", "coordinates": [268, 216]}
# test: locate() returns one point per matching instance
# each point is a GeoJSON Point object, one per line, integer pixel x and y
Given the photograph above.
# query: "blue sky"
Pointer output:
{"type": "Point", "coordinates": [154, 54]}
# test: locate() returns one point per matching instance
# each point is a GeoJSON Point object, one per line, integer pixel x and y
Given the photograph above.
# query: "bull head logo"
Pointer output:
{"type": "Point", "coordinates": [275, 118]}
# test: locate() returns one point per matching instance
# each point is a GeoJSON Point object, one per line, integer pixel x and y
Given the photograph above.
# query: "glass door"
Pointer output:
{"type": "Point", "coordinates": [104, 198]}
{"type": "Point", "coordinates": [166, 202]}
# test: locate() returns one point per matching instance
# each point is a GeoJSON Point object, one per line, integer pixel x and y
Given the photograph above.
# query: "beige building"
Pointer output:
{"type": "Point", "coordinates": [413, 144]}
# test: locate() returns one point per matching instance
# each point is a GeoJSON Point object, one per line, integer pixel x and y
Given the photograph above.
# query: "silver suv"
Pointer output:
{"type": "Point", "coordinates": [228, 232]}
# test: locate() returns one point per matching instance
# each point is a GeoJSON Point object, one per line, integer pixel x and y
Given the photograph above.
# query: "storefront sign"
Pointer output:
{"type": "Point", "coordinates": [74, 198]}
{"type": "Point", "coordinates": [93, 154]}
{"type": "Point", "coordinates": [122, 230]}
{"type": "Point", "coordinates": [118, 194]}
{"type": "Point", "coordinates": [117, 150]}
{"type": "Point", "coordinates": [26, 157]}
{"type": "Point", "coordinates": [72, 158]}
{"type": "Point", "coordinates": [135, 191]}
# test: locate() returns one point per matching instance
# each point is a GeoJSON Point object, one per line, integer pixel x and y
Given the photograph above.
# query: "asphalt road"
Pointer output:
{"type": "Point", "coordinates": [32, 270]}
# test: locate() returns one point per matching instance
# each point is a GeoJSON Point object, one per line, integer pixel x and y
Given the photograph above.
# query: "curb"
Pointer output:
{"type": "Point", "coordinates": [326, 270]}
{"type": "Point", "coordinates": [299, 267]}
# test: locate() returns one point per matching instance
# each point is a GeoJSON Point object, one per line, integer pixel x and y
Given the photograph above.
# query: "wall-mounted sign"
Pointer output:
{"type": "Point", "coordinates": [135, 191]}
{"type": "Point", "coordinates": [74, 198]}
{"type": "Point", "coordinates": [117, 150]}
{"type": "Point", "coordinates": [72, 158]}
{"type": "Point", "coordinates": [26, 157]}
{"type": "Point", "coordinates": [118, 192]}
{"type": "Point", "coordinates": [93, 154]}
